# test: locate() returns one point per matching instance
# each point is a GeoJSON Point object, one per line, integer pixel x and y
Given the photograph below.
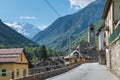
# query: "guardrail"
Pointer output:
{"type": "Point", "coordinates": [38, 73]}
{"type": "Point", "coordinates": [47, 74]}
{"type": "Point", "coordinates": [12, 75]}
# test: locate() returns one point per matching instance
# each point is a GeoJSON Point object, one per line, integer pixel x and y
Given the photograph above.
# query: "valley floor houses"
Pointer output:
{"type": "Point", "coordinates": [109, 36]}
{"type": "Point", "coordinates": [85, 51]}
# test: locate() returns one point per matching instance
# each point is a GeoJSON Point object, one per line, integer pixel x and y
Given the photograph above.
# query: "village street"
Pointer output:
{"type": "Point", "coordinates": [87, 71]}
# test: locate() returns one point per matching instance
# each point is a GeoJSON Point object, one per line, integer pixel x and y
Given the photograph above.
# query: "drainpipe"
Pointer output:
{"type": "Point", "coordinates": [109, 48]}
{"type": "Point", "coordinates": [110, 57]}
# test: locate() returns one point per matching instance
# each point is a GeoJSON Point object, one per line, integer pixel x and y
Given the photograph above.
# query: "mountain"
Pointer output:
{"type": "Point", "coordinates": [10, 38]}
{"type": "Point", "coordinates": [70, 26]}
{"type": "Point", "coordinates": [26, 29]}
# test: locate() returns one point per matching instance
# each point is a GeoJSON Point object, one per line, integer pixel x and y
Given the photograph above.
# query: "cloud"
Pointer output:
{"type": "Point", "coordinates": [27, 17]}
{"type": "Point", "coordinates": [42, 27]}
{"type": "Point", "coordinates": [80, 3]}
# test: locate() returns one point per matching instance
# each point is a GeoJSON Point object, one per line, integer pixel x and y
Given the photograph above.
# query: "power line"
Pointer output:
{"type": "Point", "coordinates": [52, 7]}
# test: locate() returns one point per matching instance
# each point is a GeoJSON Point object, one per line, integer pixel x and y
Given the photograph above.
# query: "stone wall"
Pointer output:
{"type": "Point", "coordinates": [107, 58]}
{"type": "Point", "coordinates": [115, 57]}
{"type": "Point", "coordinates": [44, 75]}
{"type": "Point", "coordinates": [101, 57]}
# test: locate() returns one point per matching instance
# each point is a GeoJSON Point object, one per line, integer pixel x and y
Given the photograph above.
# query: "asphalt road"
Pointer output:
{"type": "Point", "coordinates": [87, 71]}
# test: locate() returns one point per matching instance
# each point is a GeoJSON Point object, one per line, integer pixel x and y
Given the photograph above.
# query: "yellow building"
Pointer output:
{"type": "Point", "coordinates": [74, 57]}
{"type": "Point", "coordinates": [12, 63]}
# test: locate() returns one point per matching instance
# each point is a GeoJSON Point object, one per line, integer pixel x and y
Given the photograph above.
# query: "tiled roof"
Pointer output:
{"type": "Point", "coordinates": [9, 55]}
{"type": "Point", "coordinates": [72, 54]}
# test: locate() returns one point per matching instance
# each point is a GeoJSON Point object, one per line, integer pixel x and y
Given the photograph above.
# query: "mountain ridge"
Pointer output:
{"type": "Point", "coordinates": [56, 35]}
{"type": "Point", "coordinates": [10, 38]}
{"type": "Point", "coordinates": [26, 29]}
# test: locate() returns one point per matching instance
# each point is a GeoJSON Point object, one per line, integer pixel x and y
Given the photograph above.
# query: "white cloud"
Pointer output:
{"type": "Point", "coordinates": [42, 27]}
{"type": "Point", "coordinates": [27, 17]}
{"type": "Point", "coordinates": [80, 3]}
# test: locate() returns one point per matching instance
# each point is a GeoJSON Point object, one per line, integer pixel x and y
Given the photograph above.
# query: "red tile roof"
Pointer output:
{"type": "Point", "coordinates": [9, 55]}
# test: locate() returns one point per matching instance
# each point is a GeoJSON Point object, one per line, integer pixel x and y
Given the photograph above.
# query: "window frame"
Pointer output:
{"type": "Point", "coordinates": [4, 72]}
{"type": "Point", "coordinates": [17, 72]}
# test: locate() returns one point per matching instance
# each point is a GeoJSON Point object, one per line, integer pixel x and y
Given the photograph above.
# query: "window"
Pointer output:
{"type": "Point", "coordinates": [17, 72]}
{"type": "Point", "coordinates": [21, 57]}
{"type": "Point", "coordinates": [3, 72]}
{"type": "Point", "coordinates": [24, 72]}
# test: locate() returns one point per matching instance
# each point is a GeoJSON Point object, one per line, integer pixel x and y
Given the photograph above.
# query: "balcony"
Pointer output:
{"type": "Point", "coordinates": [115, 34]}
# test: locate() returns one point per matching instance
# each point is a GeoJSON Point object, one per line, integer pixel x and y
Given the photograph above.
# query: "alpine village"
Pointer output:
{"type": "Point", "coordinates": [84, 45]}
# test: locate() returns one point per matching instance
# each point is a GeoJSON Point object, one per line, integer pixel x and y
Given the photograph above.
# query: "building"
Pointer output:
{"type": "Point", "coordinates": [45, 62]}
{"type": "Point", "coordinates": [73, 57]}
{"type": "Point", "coordinates": [85, 50]}
{"type": "Point", "coordinates": [83, 46]}
{"type": "Point", "coordinates": [101, 46]}
{"type": "Point", "coordinates": [91, 50]}
{"type": "Point", "coordinates": [91, 35]}
{"type": "Point", "coordinates": [111, 15]}
{"type": "Point", "coordinates": [59, 60]}
{"type": "Point", "coordinates": [50, 63]}
{"type": "Point", "coordinates": [13, 60]}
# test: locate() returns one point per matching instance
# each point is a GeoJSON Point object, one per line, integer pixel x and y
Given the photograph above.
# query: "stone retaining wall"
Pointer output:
{"type": "Point", "coordinates": [115, 57]}
{"type": "Point", "coordinates": [44, 75]}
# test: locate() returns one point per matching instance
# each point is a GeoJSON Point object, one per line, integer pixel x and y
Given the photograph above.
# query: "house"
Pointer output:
{"type": "Point", "coordinates": [73, 57]}
{"type": "Point", "coordinates": [82, 48]}
{"type": "Point", "coordinates": [50, 63]}
{"type": "Point", "coordinates": [101, 46]}
{"type": "Point", "coordinates": [111, 15]}
{"type": "Point", "coordinates": [45, 65]}
{"type": "Point", "coordinates": [85, 50]}
{"type": "Point", "coordinates": [45, 62]}
{"type": "Point", "coordinates": [59, 60]}
{"type": "Point", "coordinates": [13, 60]}
{"type": "Point", "coordinates": [91, 35]}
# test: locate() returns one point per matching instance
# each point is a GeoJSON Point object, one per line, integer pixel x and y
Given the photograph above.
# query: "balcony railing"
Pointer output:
{"type": "Point", "coordinates": [114, 35]}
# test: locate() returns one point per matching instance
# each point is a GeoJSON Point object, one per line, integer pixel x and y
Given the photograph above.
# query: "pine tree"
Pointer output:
{"type": "Point", "coordinates": [43, 52]}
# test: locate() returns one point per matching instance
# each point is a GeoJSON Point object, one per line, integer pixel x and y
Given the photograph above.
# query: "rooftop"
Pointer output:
{"type": "Point", "coordinates": [9, 55]}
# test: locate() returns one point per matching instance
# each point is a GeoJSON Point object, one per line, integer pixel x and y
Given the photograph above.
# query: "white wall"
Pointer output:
{"type": "Point", "coordinates": [111, 16]}
{"type": "Point", "coordinates": [109, 24]}
{"type": "Point", "coordinates": [101, 40]}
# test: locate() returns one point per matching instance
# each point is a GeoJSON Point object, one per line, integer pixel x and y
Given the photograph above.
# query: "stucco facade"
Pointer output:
{"type": "Point", "coordinates": [101, 40]}
{"type": "Point", "coordinates": [112, 35]}
{"type": "Point", "coordinates": [13, 68]}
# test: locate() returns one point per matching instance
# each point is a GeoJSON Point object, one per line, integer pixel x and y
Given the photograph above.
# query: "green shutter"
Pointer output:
{"type": "Point", "coordinates": [119, 14]}
{"type": "Point", "coordinates": [115, 34]}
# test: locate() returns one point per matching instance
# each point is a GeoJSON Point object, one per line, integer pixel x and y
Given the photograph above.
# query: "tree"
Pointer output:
{"type": "Point", "coordinates": [43, 52]}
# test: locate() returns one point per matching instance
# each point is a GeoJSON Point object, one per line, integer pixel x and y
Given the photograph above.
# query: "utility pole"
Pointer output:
{"type": "Point", "coordinates": [69, 42]}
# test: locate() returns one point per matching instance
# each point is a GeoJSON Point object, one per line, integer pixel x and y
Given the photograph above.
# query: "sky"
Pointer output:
{"type": "Point", "coordinates": [39, 12]}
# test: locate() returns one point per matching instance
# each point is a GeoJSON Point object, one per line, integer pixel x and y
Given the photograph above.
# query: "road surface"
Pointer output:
{"type": "Point", "coordinates": [87, 71]}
